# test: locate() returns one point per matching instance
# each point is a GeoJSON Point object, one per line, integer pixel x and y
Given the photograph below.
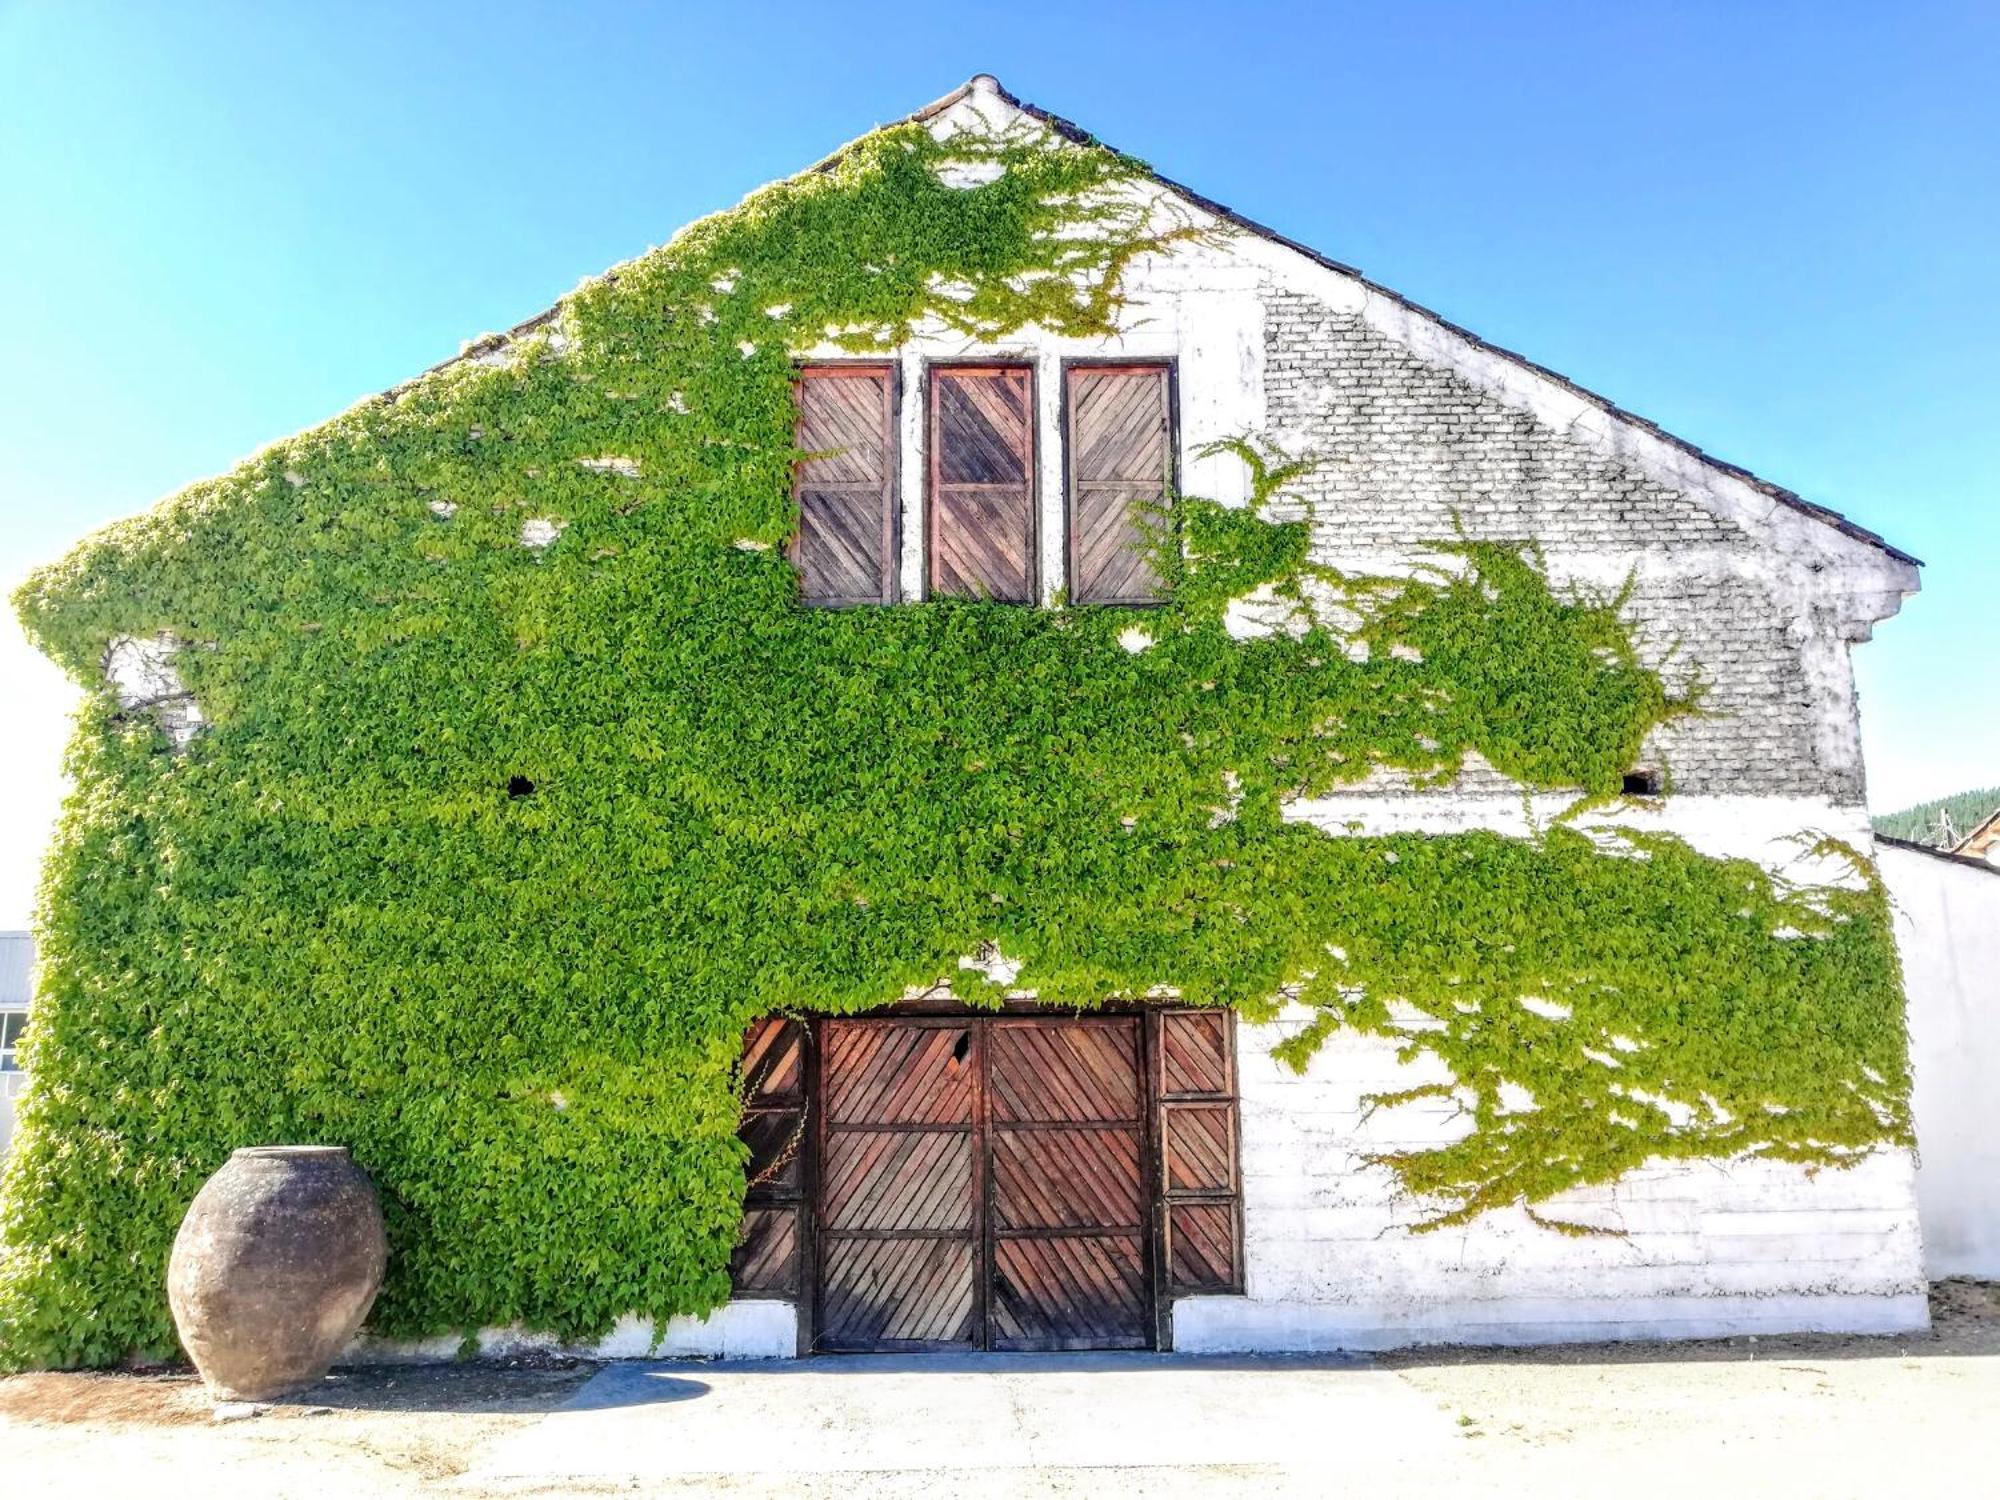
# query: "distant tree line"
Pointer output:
{"type": "Point", "coordinates": [1944, 822]}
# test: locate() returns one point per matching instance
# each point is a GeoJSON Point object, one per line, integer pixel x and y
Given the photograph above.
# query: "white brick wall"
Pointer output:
{"type": "Point", "coordinates": [1708, 1247]}
{"type": "Point", "coordinates": [1414, 448]}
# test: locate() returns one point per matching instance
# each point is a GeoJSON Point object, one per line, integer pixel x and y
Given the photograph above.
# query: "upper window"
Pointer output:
{"type": "Point", "coordinates": [845, 550]}
{"type": "Point", "coordinates": [1120, 479]}
{"type": "Point", "coordinates": [12, 1024]}
{"type": "Point", "coordinates": [981, 522]}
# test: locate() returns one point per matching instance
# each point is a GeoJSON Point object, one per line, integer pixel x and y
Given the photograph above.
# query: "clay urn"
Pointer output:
{"type": "Point", "coordinates": [275, 1266]}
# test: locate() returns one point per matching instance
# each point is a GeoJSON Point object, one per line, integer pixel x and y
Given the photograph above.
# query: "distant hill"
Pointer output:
{"type": "Point", "coordinates": [1941, 823]}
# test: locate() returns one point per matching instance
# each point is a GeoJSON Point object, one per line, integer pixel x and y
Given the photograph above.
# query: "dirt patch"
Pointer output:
{"type": "Point", "coordinates": [381, 1431]}
{"type": "Point", "coordinates": [1962, 1308]}
{"type": "Point", "coordinates": [113, 1400]}
{"type": "Point", "coordinates": [496, 1389]}
{"type": "Point", "coordinates": [173, 1399]}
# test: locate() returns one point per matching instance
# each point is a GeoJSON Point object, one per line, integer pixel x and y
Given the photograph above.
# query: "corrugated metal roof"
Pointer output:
{"type": "Point", "coordinates": [17, 957]}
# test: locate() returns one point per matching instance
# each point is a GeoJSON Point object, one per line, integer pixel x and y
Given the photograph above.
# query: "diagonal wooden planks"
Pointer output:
{"type": "Point", "coordinates": [1199, 1181]}
{"type": "Point", "coordinates": [845, 547]}
{"type": "Point", "coordinates": [1068, 1179]}
{"type": "Point", "coordinates": [1201, 1255]}
{"type": "Point", "coordinates": [899, 1181]}
{"type": "Point", "coordinates": [766, 1249]}
{"type": "Point", "coordinates": [1070, 1292]}
{"type": "Point", "coordinates": [1067, 1142]}
{"type": "Point", "coordinates": [981, 507]}
{"type": "Point", "coordinates": [1057, 1071]}
{"type": "Point", "coordinates": [1120, 468]}
{"type": "Point", "coordinates": [880, 1293]}
{"type": "Point", "coordinates": [881, 1073]}
{"type": "Point", "coordinates": [1199, 1144]}
{"type": "Point", "coordinates": [1194, 1052]}
{"type": "Point", "coordinates": [768, 1258]}
{"type": "Point", "coordinates": [897, 1210]}
{"type": "Point", "coordinates": [1011, 1182]}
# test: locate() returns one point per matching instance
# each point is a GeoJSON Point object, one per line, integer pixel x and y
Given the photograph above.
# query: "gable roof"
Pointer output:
{"type": "Point", "coordinates": [987, 84]}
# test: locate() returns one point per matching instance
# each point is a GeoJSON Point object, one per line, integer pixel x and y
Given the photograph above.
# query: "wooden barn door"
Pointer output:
{"type": "Point", "coordinates": [899, 1249]}
{"type": "Point", "coordinates": [983, 1184]}
{"type": "Point", "coordinates": [1066, 1209]}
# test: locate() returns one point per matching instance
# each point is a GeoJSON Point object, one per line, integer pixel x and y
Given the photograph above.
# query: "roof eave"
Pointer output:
{"type": "Point", "coordinates": [1069, 130]}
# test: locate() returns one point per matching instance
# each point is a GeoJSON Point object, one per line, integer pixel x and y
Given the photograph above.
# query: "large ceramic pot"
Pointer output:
{"type": "Point", "coordinates": [275, 1266]}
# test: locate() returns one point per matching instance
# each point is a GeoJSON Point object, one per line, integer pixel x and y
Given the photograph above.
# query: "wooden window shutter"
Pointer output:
{"type": "Point", "coordinates": [1201, 1189]}
{"type": "Point", "coordinates": [770, 1246]}
{"type": "Point", "coordinates": [982, 490]}
{"type": "Point", "coordinates": [1120, 478]}
{"type": "Point", "coordinates": [845, 549]}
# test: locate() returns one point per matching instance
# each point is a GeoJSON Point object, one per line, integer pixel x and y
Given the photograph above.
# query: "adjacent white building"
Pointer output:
{"type": "Point", "coordinates": [1948, 932]}
{"type": "Point", "coordinates": [17, 958]}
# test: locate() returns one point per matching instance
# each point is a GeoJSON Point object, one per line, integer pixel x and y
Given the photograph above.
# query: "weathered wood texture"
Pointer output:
{"type": "Point", "coordinates": [898, 1214]}
{"type": "Point", "coordinates": [1200, 1182]}
{"type": "Point", "coordinates": [1067, 1229]}
{"type": "Point", "coordinates": [770, 1246]}
{"type": "Point", "coordinates": [981, 1181]}
{"type": "Point", "coordinates": [1120, 479]}
{"type": "Point", "coordinates": [981, 522]}
{"type": "Point", "coordinates": [845, 549]}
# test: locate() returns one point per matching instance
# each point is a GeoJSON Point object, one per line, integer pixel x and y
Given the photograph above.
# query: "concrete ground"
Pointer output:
{"type": "Point", "coordinates": [1911, 1416]}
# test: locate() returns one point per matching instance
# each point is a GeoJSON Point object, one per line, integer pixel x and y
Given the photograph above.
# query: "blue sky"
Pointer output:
{"type": "Point", "coordinates": [1771, 227]}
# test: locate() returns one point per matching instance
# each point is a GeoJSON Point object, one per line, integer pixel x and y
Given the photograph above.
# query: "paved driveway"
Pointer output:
{"type": "Point", "coordinates": [1910, 1416]}
{"type": "Point", "coordinates": [972, 1423]}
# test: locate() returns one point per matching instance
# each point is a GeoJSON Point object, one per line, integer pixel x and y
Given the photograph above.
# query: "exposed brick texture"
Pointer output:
{"type": "Point", "coordinates": [1411, 451]}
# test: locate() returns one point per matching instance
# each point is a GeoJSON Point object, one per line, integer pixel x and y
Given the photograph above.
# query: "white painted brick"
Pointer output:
{"type": "Point", "coordinates": [1708, 1247]}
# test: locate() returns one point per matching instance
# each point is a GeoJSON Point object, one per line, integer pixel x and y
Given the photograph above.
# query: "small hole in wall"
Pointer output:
{"type": "Point", "coordinates": [958, 1053]}
{"type": "Point", "coordinates": [1642, 783]}
{"type": "Point", "coordinates": [520, 786]}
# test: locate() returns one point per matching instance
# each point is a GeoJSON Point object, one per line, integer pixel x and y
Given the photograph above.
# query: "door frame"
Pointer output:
{"type": "Point", "coordinates": [1154, 1202]}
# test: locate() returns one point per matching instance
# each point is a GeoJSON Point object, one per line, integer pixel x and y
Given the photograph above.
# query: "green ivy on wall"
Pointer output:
{"type": "Point", "coordinates": [490, 851]}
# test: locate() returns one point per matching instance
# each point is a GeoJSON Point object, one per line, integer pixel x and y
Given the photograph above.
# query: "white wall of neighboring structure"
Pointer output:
{"type": "Point", "coordinates": [17, 961]}
{"type": "Point", "coordinates": [1948, 932]}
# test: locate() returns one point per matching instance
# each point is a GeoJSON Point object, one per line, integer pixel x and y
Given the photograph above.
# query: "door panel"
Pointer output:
{"type": "Point", "coordinates": [1066, 1179]}
{"type": "Point", "coordinates": [1070, 1292]}
{"type": "Point", "coordinates": [1068, 1229]}
{"type": "Point", "coordinates": [898, 1073]}
{"type": "Point", "coordinates": [899, 1294]}
{"type": "Point", "coordinates": [1066, 1070]}
{"type": "Point", "coordinates": [895, 1180]}
{"type": "Point", "coordinates": [898, 1221]}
